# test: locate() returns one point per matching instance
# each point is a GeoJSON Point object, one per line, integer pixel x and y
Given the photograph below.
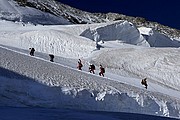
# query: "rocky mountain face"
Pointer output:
{"type": "Point", "coordinates": [76, 16]}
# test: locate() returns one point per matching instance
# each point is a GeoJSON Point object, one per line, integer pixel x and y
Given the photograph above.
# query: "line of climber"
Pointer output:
{"type": "Point", "coordinates": [91, 68]}
{"type": "Point", "coordinates": [102, 71]}
{"type": "Point", "coordinates": [32, 50]}
{"type": "Point", "coordinates": [80, 65]}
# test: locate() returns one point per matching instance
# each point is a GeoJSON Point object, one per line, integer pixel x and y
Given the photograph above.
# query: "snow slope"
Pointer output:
{"type": "Point", "coordinates": [80, 90]}
{"type": "Point", "coordinates": [160, 65]}
{"type": "Point", "coordinates": [35, 81]}
{"type": "Point", "coordinates": [10, 10]}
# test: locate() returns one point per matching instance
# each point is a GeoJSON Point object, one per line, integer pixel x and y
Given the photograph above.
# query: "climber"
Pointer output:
{"type": "Point", "coordinates": [51, 57]}
{"type": "Point", "coordinates": [31, 51]}
{"type": "Point", "coordinates": [92, 68]}
{"type": "Point", "coordinates": [144, 82]}
{"type": "Point", "coordinates": [102, 71]}
{"type": "Point", "coordinates": [80, 65]}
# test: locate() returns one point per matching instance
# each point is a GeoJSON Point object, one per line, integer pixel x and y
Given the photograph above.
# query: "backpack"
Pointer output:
{"type": "Point", "coordinates": [93, 67]}
{"type": "Point", "coordinates": [103, 70]}
{"type": "Point", "coordinates": [144, 82]}
{"type": "Point", "coordinates": [80, 65]}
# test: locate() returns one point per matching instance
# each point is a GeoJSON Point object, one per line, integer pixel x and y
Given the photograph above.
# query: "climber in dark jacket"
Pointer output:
{"type": "Point", "coordinates": [102, 71]}
{"type": "Point", "coordinates": [80, 65]}
{"type": "Point", "coordinates": [32, 50]}
{"type": "Point", "coordinates": [92, 68]}
{"type": "Point", "coordinates": [51, 57]}
{"type": "Point", "coordinates": [144, 82]}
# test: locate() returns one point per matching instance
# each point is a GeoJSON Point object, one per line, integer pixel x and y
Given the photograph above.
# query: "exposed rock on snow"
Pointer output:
{"type": "Point", "coordinates": [10, 10]}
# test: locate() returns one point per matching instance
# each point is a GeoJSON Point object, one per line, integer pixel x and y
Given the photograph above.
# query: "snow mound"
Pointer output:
{"type": "Point", "coordinates": [156, 39]}
{"type": "Point", "coordinates": [122, 31]}
{"type": "Point", "coordinates": [50, 41]}
{"type": "Point", "coordinates": [58, 43]}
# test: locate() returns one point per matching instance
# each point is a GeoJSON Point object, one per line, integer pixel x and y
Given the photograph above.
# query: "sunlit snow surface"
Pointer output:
{"type": "Point", "coordinates": [34, 81]}
{"type": "Point", "coordinates": [124, 51]}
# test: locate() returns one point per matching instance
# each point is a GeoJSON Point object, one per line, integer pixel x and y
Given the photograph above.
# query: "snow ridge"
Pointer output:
{"type": "Point", "coordinates": [76, 89]}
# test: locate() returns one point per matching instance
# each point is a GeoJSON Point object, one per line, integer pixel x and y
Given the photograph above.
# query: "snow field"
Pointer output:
{"type": "Point", "coordinates": [76, 89]}
{"type": "Point", "coordinates": [60, 85]}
